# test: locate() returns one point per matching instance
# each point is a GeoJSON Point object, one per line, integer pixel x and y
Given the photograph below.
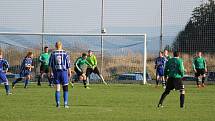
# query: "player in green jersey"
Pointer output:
{"type": "Point", "coordinates": [80, 68]}
{"type": "Point", "coordinates": [174, 69]}
{"type": "Point", "coordinates": [44, 68]}
{"type": "Point", "coordinates": [200, 68]}
{"type": "Point", "coordinates": [91, 58]}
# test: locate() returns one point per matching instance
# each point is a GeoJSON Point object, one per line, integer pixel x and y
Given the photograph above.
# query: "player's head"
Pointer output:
{"type": "Point", "coordinates": [160, 54]}
{"type": "Point", "coordinates": [199, 53]}
{"type": "Point", "coordinates": [166, 52]}
{"type": "Point", "coordinates": [90, 52]}
{"type": "Point", "coordinates": [84, 55]}
{"type": "Point", "coordinates": [30, 55]}
{"type": "Point", "coordinates": [58, 45]}
{"type": "Point", "coordinates": [176, 54]}
{"type": "Point", "coordinates": [46, 49]}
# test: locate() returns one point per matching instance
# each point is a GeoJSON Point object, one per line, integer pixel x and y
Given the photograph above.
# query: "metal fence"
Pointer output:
{"type": "Point", "coordinates": [160, 19]}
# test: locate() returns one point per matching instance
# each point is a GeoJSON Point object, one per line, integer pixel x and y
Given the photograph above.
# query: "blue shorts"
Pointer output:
{"type": "Point", "coordinates": [61, 77]}
{"type": "Point", "coordinates": [25, 73]}
{"type": "Point", "coordinates": [3, 78]}
{"type": "Point", "coordinates": [160, 72]}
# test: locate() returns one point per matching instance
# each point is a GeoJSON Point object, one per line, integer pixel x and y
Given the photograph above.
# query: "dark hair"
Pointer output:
{"type": "Point", "coordinates": [161, 52]}
{"type": "Point", "coordinates": [90, 51]}
{"type": "Point", "coordinates": [46, 47]}
{"type": "Point", "coordinates": [176, 54]}
{"type": "Point", "coordinates": [84, 54]}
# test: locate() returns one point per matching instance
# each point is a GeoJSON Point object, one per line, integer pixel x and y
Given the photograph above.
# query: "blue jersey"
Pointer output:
{"type": "Point", "coordinates": [4, 65]}
{"type": "Point", "coordinates": [59, 60]}
{"type": "Point", "coordinates": [26, 62]}
{"type": "Point", "coordinates": [160, 62]}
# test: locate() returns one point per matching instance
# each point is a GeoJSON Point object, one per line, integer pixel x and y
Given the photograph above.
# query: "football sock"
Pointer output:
{"type": "Point", "coordinates": [85, 84]}
{"type": "Point", "coordinates": [163, 96]}
{"type": "Point", "coordinates": [182, 96]}
{"type": "Point", "coordinates": [26, 82]}
{"type": "Point", "coordinates": [57, 97]}
{"type": "Point", "coordinates": [17, 80]}
{"type": "Point", "coordinates": [203, 80]}
{"type": "Point", "coordinates": [7, 88]}
{"type": "Point", "coordinates": [65, 94]}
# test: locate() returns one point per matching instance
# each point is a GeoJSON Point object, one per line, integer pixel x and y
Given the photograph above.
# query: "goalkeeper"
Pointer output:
{"type": "Point", "coordinates": [91, 58]}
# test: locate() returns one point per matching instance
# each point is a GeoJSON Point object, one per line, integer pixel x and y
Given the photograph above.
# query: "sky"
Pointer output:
{"type": "Point", "coordinates": [84, 16]}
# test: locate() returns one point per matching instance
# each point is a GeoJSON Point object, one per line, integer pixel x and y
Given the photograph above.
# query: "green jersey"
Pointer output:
{"type": "Point", "coordinates": [44, 58]}
{"type": "Point", "coordinates": [174, 68]}
{"type": "Point", "coordinates": [167, 57]}
{"type": "Point", "coordinates": [199, 63]}
{"type": "Point", "coordinates": [80, 63]}
{"type": "Point", "coordinates": [92, 60]}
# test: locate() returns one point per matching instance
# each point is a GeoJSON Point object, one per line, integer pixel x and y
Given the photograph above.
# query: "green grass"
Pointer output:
{"type": "Point", "coordinates": [101, 103]}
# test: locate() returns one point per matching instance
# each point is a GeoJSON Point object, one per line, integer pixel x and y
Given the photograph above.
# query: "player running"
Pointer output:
{"type": "Point", "coordinates": [91, 58]}
{"type": "Point", "coordinates": [60, 67]}
{"type": "Point", "coordinates": [159, 66]}
{"type": "Point", "coordinates": [44, 68]}
{"type": "Point", "coordinates": [175, 71]}
{"type": "Point", "coordinates": [25, 70]}
{"type": "Point", "coordinates": [199, 67]}
{"type": "Point", "coordinates": [80, 70]}
{"type": "Point", "coordinates": [3, 70]}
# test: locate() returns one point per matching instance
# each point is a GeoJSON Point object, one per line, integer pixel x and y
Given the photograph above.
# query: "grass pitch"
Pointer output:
{"type": "Point", "coordinates": [120, 102]}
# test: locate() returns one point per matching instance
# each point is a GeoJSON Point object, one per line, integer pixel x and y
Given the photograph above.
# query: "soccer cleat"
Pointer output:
{"type": "Point", "coordinates": [160, 106]}
{"type": "Point", "coordinates": [58, 105]}
{"type": "Point", "coordinates": [198, 86]}
{"type": "Point", "coordinates": [9, 93]}
{"type": "Point", "coordinates": [88, 88]}
{"type": "Point", "coordinates": [203, 85]}
{"type": "Point", "coordinates": [25, 87]}
{"type": "Point", "coordinates": [66, 106]}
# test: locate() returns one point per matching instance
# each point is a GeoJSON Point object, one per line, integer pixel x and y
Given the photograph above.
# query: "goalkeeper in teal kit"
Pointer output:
{"type": "Point", "coordinates": [174, 69]}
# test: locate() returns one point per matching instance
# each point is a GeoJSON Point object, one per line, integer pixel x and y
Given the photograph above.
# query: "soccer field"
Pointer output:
{"type": "Point", "coordinates": [120, 102]}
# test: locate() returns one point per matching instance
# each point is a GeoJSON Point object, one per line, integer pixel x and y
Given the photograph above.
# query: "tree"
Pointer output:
{"type": "Point", "coordinates": [199, 32]}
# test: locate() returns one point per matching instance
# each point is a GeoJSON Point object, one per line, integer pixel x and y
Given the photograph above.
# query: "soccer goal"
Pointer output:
{"type": "Point", "coordinates": [121, 57]}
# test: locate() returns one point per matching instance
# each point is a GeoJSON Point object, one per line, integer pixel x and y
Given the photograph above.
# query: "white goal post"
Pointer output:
{"type": "Point", "coordinates": [144, 81]}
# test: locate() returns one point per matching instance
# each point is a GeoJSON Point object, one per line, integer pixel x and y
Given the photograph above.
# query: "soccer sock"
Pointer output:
{"type": "Point", "coordinates": [203, 80]}
{"type": "Point", "coordinates": [17, 80]}
{"type": "Point", "coordinates": [163, 96]}
{"type": "Point", "coordinates": [65, 94]}
{"type": "Point", "coordinates": [39, 79]}
{"type": "Point", "coordinates": [197, 81]}
{"type": "Point", "coordinates": [85, 84]}
{"type": "Point", "coordinates": [7, 88]}
{"type": "Point", "coordinates": [26, 82]}
{"type": "Point", "coordinates": [157, 81]}
{"type": "Point", "coordinates": [182, 96]}
{"type": "Point", "coordinates": [57, 97]}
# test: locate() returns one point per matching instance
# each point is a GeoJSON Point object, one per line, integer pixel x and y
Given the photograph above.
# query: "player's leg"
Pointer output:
{"type": "Point", "coordinates": [203, 77]}
{"type": "Point", "coordinates": [157, 78]}
{"type": "Point", "coordinates": [96, 71]}
{"type": "Point", "coordinates": [18, 79]}
{"type": "Point", "coordinates": [27, 79]}
{"type": "Point", "coordinates": [197, 76]}
{"type": "Point", "coordinates": [84, 80]}
{"type": "Point", "coordinates": [88, 73]}
{"type": "Point", "coordinates": [180, 86]}
{"type": "Point", "coordinates": [40, 76]}
{"type": "Point", "coordinates": [6, 83]}
{"type": "Point", "coordinates": [169, 87]}
{"type": "Point", "coordinates": [65, 82]}
{"type": "Point", "coordinates": [57, 95]}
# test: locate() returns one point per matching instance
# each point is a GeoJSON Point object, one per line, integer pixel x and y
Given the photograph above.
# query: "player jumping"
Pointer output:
{"type": "Point", "coordinates": [3, 70]}
{"type": "Point", "coordinates": [199, 67]}
{"type": "Point", "coordinates": [175, 71]}
{"type": "Point", "coordinates": [25, 70]}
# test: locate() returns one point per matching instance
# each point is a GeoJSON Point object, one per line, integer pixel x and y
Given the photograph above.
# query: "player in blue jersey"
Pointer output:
{"type": "Point", "coordinates": [159, 66]}
{"type": "Point", "coordinates": [59, 63]}
{"type": "Point", "coordinates": [25, 70]}
{"type": "Point", "coordinates": [3, 70]}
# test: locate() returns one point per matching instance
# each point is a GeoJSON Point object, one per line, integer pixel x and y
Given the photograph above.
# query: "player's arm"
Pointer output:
{"type": "Point", "coordinates": [76, 65]}
{"type": "Point", "coordinates": [181, 68]}
{"type": "Point", "coordinates": [68, 66]}
{"type": "Point", "coordinates": [95, 61]}
{"type": "Point", "coordinates": [6, 64]}
{"type": "Point", "coordinates": [193, 64]}
{"type": "Point", "coordinates": [86, 62]}
{"type": "Point", "coordinates": [205, 65]}
{"type": "Point", "coordinates": [156, 64]}
{"type": "Point", "coordinates": [50, 65]}
{"type": "Point", "coordinates": [166, 69]}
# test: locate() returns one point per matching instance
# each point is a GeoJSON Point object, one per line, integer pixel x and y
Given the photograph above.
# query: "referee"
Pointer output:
{"type": "Point", "coordinates": [175, 71]}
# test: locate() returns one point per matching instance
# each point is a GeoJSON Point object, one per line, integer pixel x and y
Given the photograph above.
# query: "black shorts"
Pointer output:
{"type": "Point", "coordinates": [79, 73]}
{"type": "Point", "coordinates": [44, 69]}
{"type": "Point", "coordinates": [174, 83]}
{"type": "Point", "coordinates": [199, 72]}
{"type": "Point", "coordinates": [90, 70]}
